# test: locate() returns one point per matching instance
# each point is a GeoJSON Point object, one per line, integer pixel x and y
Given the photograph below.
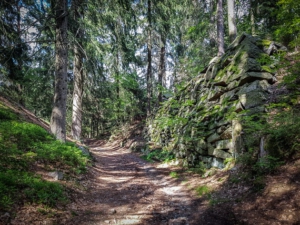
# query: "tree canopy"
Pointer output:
{"type": "Point", "coordinates": [122, 58]}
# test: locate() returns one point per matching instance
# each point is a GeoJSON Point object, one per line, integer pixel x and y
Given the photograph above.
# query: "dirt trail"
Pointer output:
{"type": "Point", "coordinates": [123, 189]}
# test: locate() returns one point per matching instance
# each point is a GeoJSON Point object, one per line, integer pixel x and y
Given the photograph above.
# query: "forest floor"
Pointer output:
{"type": "Point", "coordinates": [121, 188]}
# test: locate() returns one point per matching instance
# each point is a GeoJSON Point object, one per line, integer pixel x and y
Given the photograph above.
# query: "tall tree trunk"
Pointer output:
{"type": "Point", "coordinates": [58, 116]}
{"type": "Point", "coordinates": [231, 20]}
{"type": "Point", "coordinates": [220, 27]}
{"type": "Point", "coordinates": [77, 94]}
{"type": "Point", "coordinates": [149, 54]}
{"type": "Point", "coordinates": [78, 77]}
{"type": "Point", "coordinates": [162, 68]}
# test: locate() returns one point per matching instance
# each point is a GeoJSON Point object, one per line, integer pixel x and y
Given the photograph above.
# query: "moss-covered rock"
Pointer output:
{"type": "Point", "coordinates": [252, 99]}
{"type": "Point", "coordinates": [221, 154]}
{"type": "Point", "coordinates": [224, 144]}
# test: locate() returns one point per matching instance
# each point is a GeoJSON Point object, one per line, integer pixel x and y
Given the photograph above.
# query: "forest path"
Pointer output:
{"type": "Point", "coordinates": [124, 189]}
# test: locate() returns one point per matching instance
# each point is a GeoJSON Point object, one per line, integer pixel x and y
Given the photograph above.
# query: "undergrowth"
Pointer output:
{"type": "Point", "coordinates": [280, 132]}
{"type": "Point", "coordinates": [19, 185]}
{"type": "Point", "coordinates": [24, 145]}
{"type": "Point", "coordinates": [275, 134]}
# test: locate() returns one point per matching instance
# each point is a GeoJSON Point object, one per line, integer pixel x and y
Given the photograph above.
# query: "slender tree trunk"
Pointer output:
{"type": "Point", "coordinates": [58, 116]}
{"type": "Point", "coordinates": [252, 18]}
{"type": "Point", "coordinates": [162, 68]}
{"type": "Point", "coordinates": [231, 20]}
{"type": "Point", "coordinates": [220, 27]}
{"type": "Point", "coordinates": [212, 20]}
{"type": "Point", "coordinates": [118, 88]}
{"type": "Point", "coordinates": [78, 77]}
{"type": "Point", "coordinates": [149, 67]}
{"type": "Point", "coordinates": [20, 60]}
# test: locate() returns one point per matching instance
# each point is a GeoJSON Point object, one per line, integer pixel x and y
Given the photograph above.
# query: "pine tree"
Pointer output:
{"type": "Point", "coordinates": [58, 116]}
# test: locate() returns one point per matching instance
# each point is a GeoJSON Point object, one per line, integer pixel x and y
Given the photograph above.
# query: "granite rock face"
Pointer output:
{"type": "Point", "coordinates": [202, 124]}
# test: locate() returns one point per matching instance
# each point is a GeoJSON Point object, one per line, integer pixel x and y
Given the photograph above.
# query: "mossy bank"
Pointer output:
{"type": "Point", "coordinates": [27, 149]}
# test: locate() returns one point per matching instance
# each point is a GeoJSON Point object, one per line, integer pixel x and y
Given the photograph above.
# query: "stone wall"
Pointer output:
{"type": "Point", "coordinates": [202, 122]}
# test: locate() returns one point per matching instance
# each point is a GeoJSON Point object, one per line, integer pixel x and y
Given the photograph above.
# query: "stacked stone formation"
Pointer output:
{"type": "Point", "coordinates": [206, 118]}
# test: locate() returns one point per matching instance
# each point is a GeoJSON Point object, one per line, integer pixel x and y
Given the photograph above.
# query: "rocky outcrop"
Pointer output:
{"type": "Point", "coordinates": [202, 123]}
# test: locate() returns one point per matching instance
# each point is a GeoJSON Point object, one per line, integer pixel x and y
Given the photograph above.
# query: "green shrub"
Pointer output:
{"type": "Point", "coordinates": [267, 164]}
{"type": "Point", "coordinates": [59, 153]}
{"type": "Point", "coordinates": [284, 134]}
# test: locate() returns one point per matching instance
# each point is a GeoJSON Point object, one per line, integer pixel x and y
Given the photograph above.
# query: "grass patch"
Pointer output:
{"type": "Point", "coordinates": [158, 155]}
{"type": "Point", "coordinates": [174, 174]}
{"type": "Point", "coordinates": [22, 145]}
{"type": "Point", "coordinates": [202, 190]}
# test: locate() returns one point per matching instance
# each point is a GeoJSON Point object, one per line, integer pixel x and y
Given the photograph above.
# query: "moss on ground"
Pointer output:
{"type": "Point", "coordinates": [24, 145]}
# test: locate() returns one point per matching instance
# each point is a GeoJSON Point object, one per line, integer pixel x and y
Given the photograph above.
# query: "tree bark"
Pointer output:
{"type": "Point", "coordinates": [220, 27]}
{"type": "Point", "coordinates": [162, 68]}
{"type": "Point", "coordinates": [149, 54]}
{"type": "Point", "coordinates": [78, 77]}
{"type": "Point", "coordinates": [231, 20]}
{"type": "Point", "coordinates": [58, 116]}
